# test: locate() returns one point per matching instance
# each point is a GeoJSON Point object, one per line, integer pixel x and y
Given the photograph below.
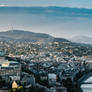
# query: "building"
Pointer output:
{"type": "Point", "coordinates": [52, 79]}
{"type": "Point", "coordinates": [14, 85]}
{"type": "Point", "coordinates": [2, 54]}
{"type": "Point", "coordinates": [58, 89]}
{"type": "Point", "coordinates": [28, 81]}
{"type": "Point", "coordinates": [10, 69]}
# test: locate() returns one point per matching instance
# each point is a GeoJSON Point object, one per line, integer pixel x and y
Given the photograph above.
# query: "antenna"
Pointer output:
{"type": "Point", "coordinates": [12, 28]}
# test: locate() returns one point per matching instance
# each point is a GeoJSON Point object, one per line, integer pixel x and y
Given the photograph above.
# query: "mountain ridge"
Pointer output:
{"type": "Point", "coordinates": [22, 36]}
{"type": "Point", "coordinates": [81, 39]}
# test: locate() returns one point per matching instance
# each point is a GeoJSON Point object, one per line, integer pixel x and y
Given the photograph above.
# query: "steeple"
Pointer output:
{"type": "Point", "coordinates": [14, 85]}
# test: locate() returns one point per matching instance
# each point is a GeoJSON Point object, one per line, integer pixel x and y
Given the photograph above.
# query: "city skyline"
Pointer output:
{"type": "Point", "coordinates": [45, 45]}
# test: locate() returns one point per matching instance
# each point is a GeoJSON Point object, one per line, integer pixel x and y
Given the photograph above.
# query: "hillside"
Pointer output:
{"type": "Point", "coordinates": [26, 36]}
{"type": "Point", "coordinates": [22, 36]}
{"type": "Point", "coordinates": [82, 39]}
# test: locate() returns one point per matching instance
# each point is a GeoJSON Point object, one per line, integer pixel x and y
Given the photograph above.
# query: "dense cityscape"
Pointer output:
{"type": "Point", "coordinates": [35, 67]}
{"type": "Point", "coordinates": [45, 46]}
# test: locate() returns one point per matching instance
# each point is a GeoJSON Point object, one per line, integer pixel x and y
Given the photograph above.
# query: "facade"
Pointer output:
{"type": "Point", "coordinates": [28, 81]}
{"type": "Point", "coordinates": [58, 89]}
{"type": "Point", "coordinates": [52, 79]}
{"type": "Point", "coordinates": [10, 69]}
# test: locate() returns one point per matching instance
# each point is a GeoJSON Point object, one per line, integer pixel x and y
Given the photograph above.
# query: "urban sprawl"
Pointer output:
{"type": "Point", "coordinates": [36, 67]}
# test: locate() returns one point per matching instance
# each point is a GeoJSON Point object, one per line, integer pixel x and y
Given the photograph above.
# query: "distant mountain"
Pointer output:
{"type": "Point", "coordinates": [60, 40]}
{"type": "Point", "coordinates": [47, 19]}
{"type": "Point", "coordinates": [22, 36]}
{"type": "Point", "coordinates": [81, 39]}
{"type": "Point", "coordinates": [26, 36]}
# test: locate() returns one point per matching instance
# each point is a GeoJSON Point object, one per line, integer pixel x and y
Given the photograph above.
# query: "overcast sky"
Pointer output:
{"type": "Point", "coordinates": [66, 3]}
{"type": "Point", "coordinates": [50, 21]}
{"type": "Point", "coordinates": [57, 22]}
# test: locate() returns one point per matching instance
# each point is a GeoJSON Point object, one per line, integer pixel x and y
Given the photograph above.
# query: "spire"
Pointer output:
{"type": "Point", "coordinates": [14, 85]}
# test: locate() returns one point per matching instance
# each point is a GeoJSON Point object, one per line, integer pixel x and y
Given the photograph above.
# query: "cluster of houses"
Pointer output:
{"type": "Point", "coordinates": [34, 66]}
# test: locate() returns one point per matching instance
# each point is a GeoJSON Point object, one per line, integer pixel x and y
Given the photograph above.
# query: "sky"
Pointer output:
{"type": "Point", "coordinates": [65, 3]}
{"type": "Point", "coordinates": [48, 21]}
{"type": "Point", "coordinates": [58, 22]}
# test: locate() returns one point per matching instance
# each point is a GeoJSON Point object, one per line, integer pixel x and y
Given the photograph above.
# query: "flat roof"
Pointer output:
{"type": "Point", "coordinates": [2, 60]}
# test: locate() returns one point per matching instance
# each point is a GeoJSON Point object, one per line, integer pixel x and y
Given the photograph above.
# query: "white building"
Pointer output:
{"type": "Point", "coordinates": [52, 79]}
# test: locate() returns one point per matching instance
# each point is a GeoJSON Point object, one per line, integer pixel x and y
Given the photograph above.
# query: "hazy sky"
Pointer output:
{"type": "Point", "coordinates": [60, 22]}
{"type": "Point", "coordinates": [54, 22]}
{"type": "Point", "coordinates": [66, 3]}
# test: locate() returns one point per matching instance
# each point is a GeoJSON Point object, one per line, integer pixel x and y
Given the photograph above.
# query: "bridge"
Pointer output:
{"type": "Point", "coordinates": [86, 83]}
{"type": "Point", "coordinates": [84, 78]}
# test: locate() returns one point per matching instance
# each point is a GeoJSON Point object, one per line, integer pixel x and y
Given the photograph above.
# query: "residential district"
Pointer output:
{"type": "Point", "coordinates": [35, 67]}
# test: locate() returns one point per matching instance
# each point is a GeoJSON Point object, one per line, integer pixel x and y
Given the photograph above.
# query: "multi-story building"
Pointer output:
{"type": "Point", "coordinates": [10, 69]}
